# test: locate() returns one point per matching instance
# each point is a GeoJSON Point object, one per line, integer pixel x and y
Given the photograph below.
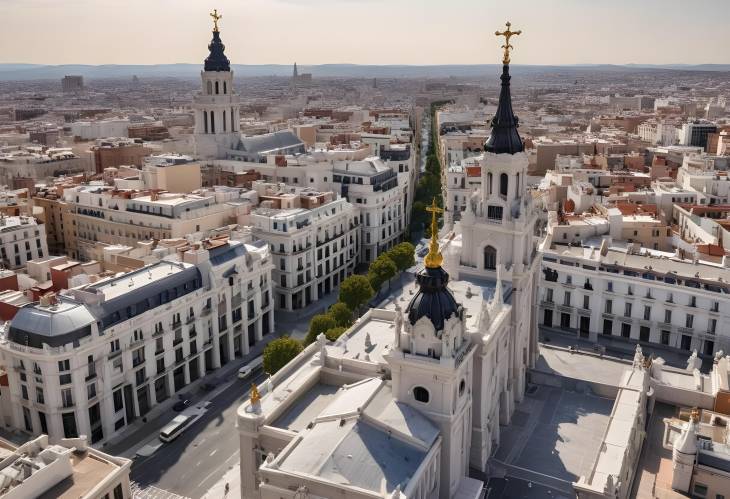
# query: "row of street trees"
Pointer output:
{"type": "Point", "coordinates": [429, 185]}
{"type": "Point", "coordinates": [355, 292]}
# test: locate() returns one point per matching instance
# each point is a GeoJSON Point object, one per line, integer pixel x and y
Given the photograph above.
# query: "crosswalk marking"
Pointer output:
{"type": "Point", "coordinates": [152, 492]}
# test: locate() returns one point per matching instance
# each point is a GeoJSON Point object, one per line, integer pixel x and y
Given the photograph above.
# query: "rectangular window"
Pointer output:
{"type": "Point", "coordinates": [607, 327]}
{"type": "Point", "coordinates": [689, 321]}
{"type": "Point", "coordinates": [644, 333]}
{"type": "Point", "coordinates": [665, 337]}
{"type": "Point", "coordinates": [712, 326]}
{"type": "Point", "coordinates": [91, 390]}
{"type": "Point", "coordinates": [667, 316]}
{"type": "Point", "coordinates": [39, 395]}
{"type": "Point", "coordinates": [566, 299]}
{"type": "Point", "coordinates": [549, 295]}
{"type": "Point", "coordinates": [118, 403]}
{"type": "Point", "coordinates": [609, 306]}
{"type": "Point", "coordinates": [626, 330]}
{"type": "Point", "coordinates": [586, 302]}
{"type": "Point", "coordinates": [647, 313]}
{"type": "Point", "coordinates": [627, 310]}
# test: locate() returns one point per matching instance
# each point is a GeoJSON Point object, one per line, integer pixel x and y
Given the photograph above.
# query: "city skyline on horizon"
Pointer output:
{"type": "Point", "coordinates": [433, 35]}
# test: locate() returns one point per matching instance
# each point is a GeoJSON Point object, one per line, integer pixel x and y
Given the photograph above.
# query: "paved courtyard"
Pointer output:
{"type": "Point", "coordinates": [553, 439]}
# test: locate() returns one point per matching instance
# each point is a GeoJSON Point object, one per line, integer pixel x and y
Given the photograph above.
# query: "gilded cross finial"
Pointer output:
{"type": "Point", "coordinates": [255, 395]}
{"type": "Point", "coordinates": [216, 17]}
{"type": "Point", "coordinates": [507, 34]}
{"type": "Point", "coordinates": [434, 259]}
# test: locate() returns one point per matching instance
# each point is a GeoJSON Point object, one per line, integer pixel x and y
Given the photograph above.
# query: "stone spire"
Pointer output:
{"type": "Point", "coordinates": [504, 138]}
{"type": "Point", "coordinates": [217, 60]}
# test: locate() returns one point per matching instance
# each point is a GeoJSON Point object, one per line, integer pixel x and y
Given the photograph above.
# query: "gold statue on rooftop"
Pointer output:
{"type": "Point", "coordinates": [507, 34]}
{"type": "Point", "coordinates": [216, 17]}
{"type": "Point", "coordinates": [255, 395]}
{"type": "Point", "coordinates": [434, 259]}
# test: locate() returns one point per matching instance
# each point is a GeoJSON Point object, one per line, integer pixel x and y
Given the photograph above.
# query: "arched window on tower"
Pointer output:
{"type": "Point", "coordinates": [225, 88]}
{"type": "Point", "coordinates": [216, 88]}
{"type": "Point", "coordinates": [503, 184]}
{"type": "Point", "coordinates": [224, 120]}
{"type": "Point", "coordinates": [421, 394]}
{"type": "Point", "coordinates": [209, 87]}
{"type": "Point", "coordinates": [233, 125]}
{"type": "Point", "coordinates": [490, 258]}
{"type": "Point", "coordinates": [205, 120]}
{"type": "Point", "coordinates": [212, 122]}
{"type": "Point", "coordinates": [489, 183]}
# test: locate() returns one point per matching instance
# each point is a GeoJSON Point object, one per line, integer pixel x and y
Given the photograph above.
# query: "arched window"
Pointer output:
{"type": "Point", "coordinates": [489, 183]}
{"type": "Point", "coordinates": [490, 258]}
{"type": "Point", "coordinates": [462, 387]}
{"type": "Point", "coordinates": [421, 394]}
{"type": "Point", "coordinates": [205, 120]}
{"type": "Point", "coordinates": [216, 88]}
{"type": "Point", "coordinates": [212, 122]}
{"type": "Point", "coordinates": [503, 184]}
{"type": "Point", "coordinates": [209, 87]}
{"type": "Point", "coordinates": [224, 120]}
{"type": "Point", "coordinates": [233, 126]}
{"type": "Point", "coordinates": [225, 87]}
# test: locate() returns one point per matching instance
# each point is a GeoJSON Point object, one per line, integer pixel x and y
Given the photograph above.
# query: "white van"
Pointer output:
{"type": "Point", "coordinates": [175, 428]}
{"type": "Point", "coordinates": [252, 366]}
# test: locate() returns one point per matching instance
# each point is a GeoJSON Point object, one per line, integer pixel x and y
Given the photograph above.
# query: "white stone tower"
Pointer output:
{"type": "Point", "coordinates": [432, 361]}
{"type": "Point", "coordinates": [217, 104]}
{"type": "Point", "coordinates": [684, 455]}
{"type": "Point", "coordinates": [498, 232]}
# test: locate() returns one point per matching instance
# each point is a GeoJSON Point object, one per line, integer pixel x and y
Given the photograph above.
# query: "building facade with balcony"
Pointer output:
{"type": "Point", "coordinates": [314, 240]}
{"type": "Point", "coordinates": [612, 293]}
{"type": "Point", "coordinates": [108, 215]}
{"type": "Point", "coordinates": [91, 361]}
{"type": "Point", "coordinates": [21, 239]}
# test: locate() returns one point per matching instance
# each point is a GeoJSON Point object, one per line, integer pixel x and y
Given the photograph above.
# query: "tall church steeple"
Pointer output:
{"type": "Point", "coordinates": [504, 138]}
{"type": "Point", "coordinates": [216, 107]}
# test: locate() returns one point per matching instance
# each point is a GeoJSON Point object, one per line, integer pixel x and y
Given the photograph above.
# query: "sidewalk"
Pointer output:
{"type": "Point", "coordinates": [232, 477]}
{"type": "Point", "coordinates": [126, 443]}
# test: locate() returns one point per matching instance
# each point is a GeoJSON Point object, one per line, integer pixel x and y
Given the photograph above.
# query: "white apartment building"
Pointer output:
{"type": "Point", "coordinates": [99, 356]}
{"type": "Point", "coordinates": [90, 130]}
{"type": "Point", "coordinates": [38, 162]}
{"type": "Point", "coordinates": [21, 239]}
{"type": "Point", "coordinates": [108, 215]}
{"type": "Point", "coordinates": [648, 298]}
{"type": "Point", "coordinates": [373, 186]}
{"type": "Point", "coordinates": [461, 182]}
{"type": "Point", "coordinates": [314, 239]}
{"type": "Point", "coordinates": [659, 132]}
{"type": "Point", "coordinates": [69, 468]}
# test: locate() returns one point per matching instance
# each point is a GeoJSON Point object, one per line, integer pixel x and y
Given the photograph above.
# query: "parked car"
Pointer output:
{"type": "Point", "coordinates": [181, 405]}
{"type": "Point", "coordinates": [251, 367]}
{"type": "Point", "coordinates": [209, 385]}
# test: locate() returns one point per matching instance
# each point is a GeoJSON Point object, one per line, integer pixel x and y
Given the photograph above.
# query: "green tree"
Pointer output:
{"type": "Point", "coordinates": [279, 352]}
{"type": "Point", "coordinates": [355, 291]}
{"type": "Point", "coordinates": [334, 333]}
{"type": "Point", "coordinates": [341, 313]}
{"type": "Point", "coordinates": [319, 324]}
{"type": "Point", "coordinates": [403, 255]}
{"type": "Point", "coordinates": [381, 271]}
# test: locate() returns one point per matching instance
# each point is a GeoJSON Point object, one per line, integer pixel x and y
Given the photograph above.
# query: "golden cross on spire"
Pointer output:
{"type": "Point", "coordinates": [507, 34]}
{"type": "Point", "coordinates": [216, 17]}
{"type": "Point", "coordinates": [434, 259]}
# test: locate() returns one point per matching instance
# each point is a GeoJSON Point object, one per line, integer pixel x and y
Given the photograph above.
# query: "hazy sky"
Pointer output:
{"type": "Point", "coordinates": [365, 31]}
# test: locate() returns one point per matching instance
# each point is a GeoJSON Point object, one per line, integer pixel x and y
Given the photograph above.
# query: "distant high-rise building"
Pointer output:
{"type": "Point", "coordinates": [695, 133]}
{"type": "Point", "coordinates": [72, 83]}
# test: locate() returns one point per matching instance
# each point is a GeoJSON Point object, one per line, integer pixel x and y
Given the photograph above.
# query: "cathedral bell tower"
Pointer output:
{"type": "Point", "coordinates": [217, 104]}
{"type": "Point", "coordinates": [431, 362]}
